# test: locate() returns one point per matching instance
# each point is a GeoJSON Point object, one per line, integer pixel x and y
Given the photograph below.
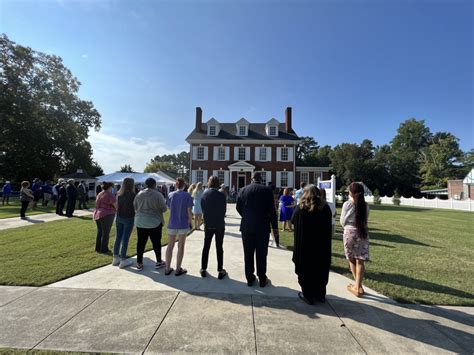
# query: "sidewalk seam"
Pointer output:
{"type": "Point", "coordinates": [254, 327]}
{"type": "Point", "coordinates": [67, 321]}
{"type": "Point", "coordinates": [16, 299]}
{"type": "Point", "coordinates": [159, 325]}
{"type": "Point", "coordinates": [345, 326]}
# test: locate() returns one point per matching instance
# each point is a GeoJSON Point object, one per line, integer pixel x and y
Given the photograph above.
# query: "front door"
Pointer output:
{"type": "Point", "coordinates": [240, 181]}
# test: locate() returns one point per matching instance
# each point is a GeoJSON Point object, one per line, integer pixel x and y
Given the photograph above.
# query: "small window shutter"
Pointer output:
{"type": "Point", "coordinates": [278, 176]}
{"type": "Point", "coordinates": [236, 152]}
{"type": "Point", "coordinates": [194, 157]}
{"type": "Point", "coordinates": [216, 153]}
{"type": "Point", "coordinates": [290, 154]}
{"type": "Point", "coordinates": [257, 153]}
{"type": "Point", "coordinates": [227, 153]}
{"type": "Point", "coordinates": [278, 153]}
{"type": "Point", "coordinates": [206, 153]}
{"type": "Point", "coordinates": [290, 179]}
{"type": "Point", "coordinates": [214, 173]}
{"type": "Point", "coordinates": [269, 176]}
{"type": "Point", "coordinates": [269, 153]}
{"type": "Point", "coordinates": [193, 177]}
{"type": "Point", "coordinates": [247, 153]}
{"type": "Point", "coordinates": [204, 177]}
{"type": "Point", "coordinates": [226, 178]}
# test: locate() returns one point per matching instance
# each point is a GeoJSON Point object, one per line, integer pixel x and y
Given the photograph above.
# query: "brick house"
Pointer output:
{"type": "Point", "coordinates": [233, 151]}
{"type": "Point", "coordinates": [462, 189]}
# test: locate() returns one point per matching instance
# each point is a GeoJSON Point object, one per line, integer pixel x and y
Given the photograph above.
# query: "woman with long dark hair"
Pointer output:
{"type": "Point", "coordinates": [312, 244]}
{"type": "Point", "coordinates": [354, 219]}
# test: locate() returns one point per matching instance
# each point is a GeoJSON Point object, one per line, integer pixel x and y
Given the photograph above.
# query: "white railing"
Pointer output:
{"type": "Point", "coordinates": [451, 204]}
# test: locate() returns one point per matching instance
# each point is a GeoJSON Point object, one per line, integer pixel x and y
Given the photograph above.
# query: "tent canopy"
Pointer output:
{"type": "Point", "coordinates": [139, 178]}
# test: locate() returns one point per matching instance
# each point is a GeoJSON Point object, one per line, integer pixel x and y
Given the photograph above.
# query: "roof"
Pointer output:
{"type": "Point", "coordinates": [469, 179]}
{"type": "Point", "coordinates": [138, 177]}
{"type": "Point", "coordinates": [256, 131]}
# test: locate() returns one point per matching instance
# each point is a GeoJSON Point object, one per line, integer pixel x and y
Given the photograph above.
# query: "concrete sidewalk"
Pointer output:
{"type": "Point", "coordinates": [16, 222]}
{"type": "Point", "coordinates": [114, 310]}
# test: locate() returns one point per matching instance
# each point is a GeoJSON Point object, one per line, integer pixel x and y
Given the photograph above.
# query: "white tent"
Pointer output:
{"type": "Point", "coordinates": [117, 178]}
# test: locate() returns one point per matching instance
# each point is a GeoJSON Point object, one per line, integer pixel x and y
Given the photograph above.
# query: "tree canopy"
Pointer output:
{"type": "Point", "coordinates": [44, 125]}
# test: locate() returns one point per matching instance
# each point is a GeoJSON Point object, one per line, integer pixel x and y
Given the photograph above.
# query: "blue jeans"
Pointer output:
{"type": "Point", "coordinates": [124, 227]}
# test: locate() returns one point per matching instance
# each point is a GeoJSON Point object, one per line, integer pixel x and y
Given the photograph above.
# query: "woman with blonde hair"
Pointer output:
{"type": "Point", "coordinates": [354, 219]}
{"type": "Point", "coordinates": [124, 222]}
{"type": "Point", "coordinates": [197, 209]}
{"type": "Point", "coordinates": [312, 245]}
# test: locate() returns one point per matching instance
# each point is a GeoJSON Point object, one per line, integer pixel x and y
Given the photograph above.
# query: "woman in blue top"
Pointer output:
{"type": "Point", "coordinates": [6, 192]}
{"type": "Point", "coordinates": [286, 210]}
{"type": "Point", "coordinates": [197, 209]}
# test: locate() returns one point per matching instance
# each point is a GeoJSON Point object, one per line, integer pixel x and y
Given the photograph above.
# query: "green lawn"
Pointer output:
{"type": "Point", "coordinates": [45, 253]}
{"type": "Point", "coordinates": [417, 255]}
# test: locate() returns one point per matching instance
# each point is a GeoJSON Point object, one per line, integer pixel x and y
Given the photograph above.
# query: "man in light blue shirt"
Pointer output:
{"type": "Point", "coordinates": [299, 193]}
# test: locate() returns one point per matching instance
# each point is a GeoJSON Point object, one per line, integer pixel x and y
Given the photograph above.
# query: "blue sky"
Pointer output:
{"type": "Point", "coordinates": [350, 69]}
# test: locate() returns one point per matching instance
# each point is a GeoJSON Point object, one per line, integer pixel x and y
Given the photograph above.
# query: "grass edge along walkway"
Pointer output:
{"type": "Point", "coordinates": [417, 255]}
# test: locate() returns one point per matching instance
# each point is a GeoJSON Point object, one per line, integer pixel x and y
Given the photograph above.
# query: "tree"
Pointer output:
{"type": "Point", "coordinates": [396, 198]}
{"type": "Point", "coordinates": [127, 168]}
{"type": "Point", "coordinates": [153, 166]}
{"type": "Point", "coordinates": [175, 163]}
{"type": "Point", "coordinates": [441, 161]}
{"type": "Point", "coordinates": [305, 150]}
{"type": "Point", "coordinates": [377, 200]}
{"type": "Point", "coordinates": [44, 125]}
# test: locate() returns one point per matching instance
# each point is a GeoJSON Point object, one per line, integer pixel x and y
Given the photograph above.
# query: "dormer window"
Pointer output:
{"type": "Point", "coordinates": [212, 130]}
{"type": "Point", "coordinates": [271, 128]}
{"type": "Point", "coordinates": [272, 131]}
{"type": "Point", "coordinates": [242, 127]}
{"type": "Point", "coordinates": [242, 131]}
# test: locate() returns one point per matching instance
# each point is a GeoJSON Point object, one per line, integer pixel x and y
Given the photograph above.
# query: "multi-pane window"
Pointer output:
{"type": "Point", "coordinates": [273, 131]}
{"type": "Point", "coordinates": [221, 175]}
{"type": "Point", "coordinates": [200, 153]}
{"type": "Point", "coordinates": [241, 155]}
{"type": "Point", "coordinates": [305, 177]}
{"type": "Point", "coordinates": [242, 130]}
{"type": "Point", "coordinates": [263, 175]}
{"type": "Point", "coordinates": [212, 130]}
{"type": "Point", "coordinates": [316, 176]}
{"type": "Point", "coordinates": [284, 154]}
{"type": "Point", "coordinates": [200, 176]}
{"type": "Point", "coordinates": [221, 153]}
{"type": "Point", "coordinates": [284, 178]}
{"type": "Point", "coordinates": [263, 154]}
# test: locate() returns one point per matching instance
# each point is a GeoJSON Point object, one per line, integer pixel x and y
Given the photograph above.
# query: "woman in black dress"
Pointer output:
{"type": "Point", "coordinates": [312, 245]}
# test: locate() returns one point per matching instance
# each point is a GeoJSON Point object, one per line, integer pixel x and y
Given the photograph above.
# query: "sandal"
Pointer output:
{"type": "Point", "coordinates": [169, 271]}
{"type": "Point", "coordinates": [351, 289]}
{"type": "Point", "coordinates": [181, 271]}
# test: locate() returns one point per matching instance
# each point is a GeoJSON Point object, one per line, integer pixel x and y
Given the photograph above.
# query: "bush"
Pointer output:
{"type": "Point", "coordinates": [377, 200]}
{"type": "Point", "coordinates": [396, 198]}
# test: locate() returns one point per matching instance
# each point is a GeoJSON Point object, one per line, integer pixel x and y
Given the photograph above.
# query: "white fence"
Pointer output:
{"type": "Point", "coordinates": [451, 204]}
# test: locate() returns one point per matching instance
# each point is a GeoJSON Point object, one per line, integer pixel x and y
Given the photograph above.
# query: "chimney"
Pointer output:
{"type": "Point", "coordinates": [198, 119]}
{"type": "Point", "coordinates": [288, 127]}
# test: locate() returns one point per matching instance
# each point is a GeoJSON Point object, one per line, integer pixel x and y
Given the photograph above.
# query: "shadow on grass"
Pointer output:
{"type": "Point", "coordinates": [409, 282]}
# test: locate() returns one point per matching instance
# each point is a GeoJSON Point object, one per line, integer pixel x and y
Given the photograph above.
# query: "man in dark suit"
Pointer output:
{"type": "Point", "coordinates": [255, 205]}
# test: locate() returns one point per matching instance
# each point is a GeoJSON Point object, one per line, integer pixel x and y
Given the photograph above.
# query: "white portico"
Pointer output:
{"type": "Point", "coordinates": [243, 172]}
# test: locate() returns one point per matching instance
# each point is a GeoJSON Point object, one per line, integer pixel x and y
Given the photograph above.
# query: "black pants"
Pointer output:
{"type": "Point", "coordinates": [24, 207]}
{"type": "Point", "coordinates": [82, 202]}
{"type": "Point", "coordinates": [313, 284]}
{"type": "Point", "coordinates": [60, 206]}
{"type": "Point", "coordinates": [255, 244]}
{"type": "Point", "coordinates": [71, 206]}
{"type": "Point", "coordinates": [104, 225]}
{"type": "Point", "coordinates": [208, 234]}
{"type": "Point", "coordinates": [142, 239]}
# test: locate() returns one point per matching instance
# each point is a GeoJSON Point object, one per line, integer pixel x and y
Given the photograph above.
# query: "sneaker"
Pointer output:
{"type": "Point", "coordinates": [160, 264]}
{"type": "Point", "coordinates": [139, 267]}
{"type": "Point", "coordinates": [203, 273]}
{"type": "Point", "coordinates": [124, 263]}
{"type": "Point", "coordinates": [116, 261]}
{"type": "Point", "coordinates": [222, 274]}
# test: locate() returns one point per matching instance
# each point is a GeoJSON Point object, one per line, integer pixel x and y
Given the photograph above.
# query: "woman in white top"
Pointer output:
{"type": "Point", "coordinates": [354, 218]}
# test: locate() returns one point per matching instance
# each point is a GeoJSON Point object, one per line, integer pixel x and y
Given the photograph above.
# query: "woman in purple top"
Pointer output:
{"type": "Point", "coordinates": [104, 214]}
{"type": "Point", "coordinates": [180, 204]}
{"type": "Point", "coordinates": [286, 210]}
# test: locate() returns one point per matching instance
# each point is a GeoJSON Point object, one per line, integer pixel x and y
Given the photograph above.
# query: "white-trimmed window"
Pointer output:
{"type": "Point", "coordinates": [221, 176]}
{"type": "Point", "coordinates": [212, 130]}
{"type": "Point", "coordinates": [284, 178]}
{"type": "Point", "coordinates": [305, 177]}
{"type": "Point", "coordinates": [263, 175]}
{"type": "Point", "coordinates": [242, 130]}
{"type": "Point", "coordinates": [317, 174]}
{"type": "Point", "coordinates": [262, 156]}
{"type": "Point", "coordinates": [200, 176]}
{"type": "Point", "coordinates": [272, 130]}
{"type": "Point", "coordinates": [221, 153]}
{"type": "Point", "coordinates": [241, 155]}
{"type": "Point", "coordinates": [284, 154]}
{"type": "Point", "coordinates": [200, 153]}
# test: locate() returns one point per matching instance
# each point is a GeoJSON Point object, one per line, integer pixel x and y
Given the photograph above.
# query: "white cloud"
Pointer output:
{"type": "Point", "coordinates": [85, 56]}
{"type": "Point", "coordinates": [112, 152]}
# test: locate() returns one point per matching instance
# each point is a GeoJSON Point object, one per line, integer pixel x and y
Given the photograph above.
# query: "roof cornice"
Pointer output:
{"type": "Point", "coordinates": [243, 141]}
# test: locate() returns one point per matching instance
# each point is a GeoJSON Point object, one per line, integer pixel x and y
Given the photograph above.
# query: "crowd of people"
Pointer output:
{"type": "Point", "coordinates": [307, 213]}
{"type": "Point", "coordinates": [64, 194]}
